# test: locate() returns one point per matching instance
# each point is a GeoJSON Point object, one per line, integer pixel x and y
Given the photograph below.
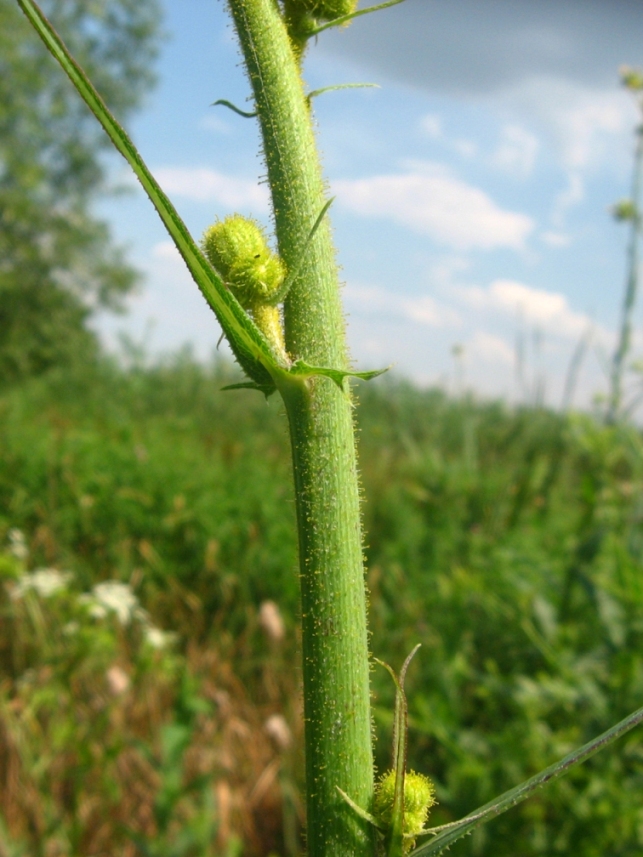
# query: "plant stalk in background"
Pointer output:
{"type": "Point", "coordinates": [628, 210]}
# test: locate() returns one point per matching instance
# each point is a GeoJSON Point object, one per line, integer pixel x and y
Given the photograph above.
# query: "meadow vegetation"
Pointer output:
{"type": "Point", "coordinates": [162, 716]}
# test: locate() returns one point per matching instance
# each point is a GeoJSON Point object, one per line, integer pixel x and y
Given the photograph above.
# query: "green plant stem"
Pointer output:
{"type": "Point", "coordinates": [335, 646]}
{"type": "Point", "coordinates": [631, 288]}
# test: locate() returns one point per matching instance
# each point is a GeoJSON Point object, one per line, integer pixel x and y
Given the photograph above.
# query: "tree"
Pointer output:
{"type": "Point", "coordinates": [57, 260]}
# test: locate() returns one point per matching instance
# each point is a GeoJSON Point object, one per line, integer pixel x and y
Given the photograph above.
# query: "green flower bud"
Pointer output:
{"type": "Point", "coordinates": [631, 78]}
{"type": "Point", "coordinates": [625, 210]}
{"type": "Point", "coordinates": [328, 10]}
{"type": "Point", "coordinates": [238, 250]}
{"type": "Point", "coordinates": [419, 797]}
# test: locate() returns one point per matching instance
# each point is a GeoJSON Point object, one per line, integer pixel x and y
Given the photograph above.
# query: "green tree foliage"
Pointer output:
{"type": "Point", "coordinates": [57, 259]}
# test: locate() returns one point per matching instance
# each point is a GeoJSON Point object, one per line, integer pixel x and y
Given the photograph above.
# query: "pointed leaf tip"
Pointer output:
{"type": "Point", "coordinates": [304, 370]}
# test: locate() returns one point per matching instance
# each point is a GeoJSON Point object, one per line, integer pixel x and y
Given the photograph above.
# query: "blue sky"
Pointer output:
{"type": "Point", "coordinates": [472, 188]}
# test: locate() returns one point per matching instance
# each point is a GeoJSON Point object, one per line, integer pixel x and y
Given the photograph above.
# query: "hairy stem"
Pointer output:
{"type": "Point", "coordinates": [335, 650]}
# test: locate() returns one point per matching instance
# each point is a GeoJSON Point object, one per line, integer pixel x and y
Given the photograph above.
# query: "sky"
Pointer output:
{"type": "Point", "coordinates": [473, 187]}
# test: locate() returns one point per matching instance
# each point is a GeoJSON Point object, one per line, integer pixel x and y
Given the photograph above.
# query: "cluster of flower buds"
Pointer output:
{"type": "Point", "coordinates": [237, 249]}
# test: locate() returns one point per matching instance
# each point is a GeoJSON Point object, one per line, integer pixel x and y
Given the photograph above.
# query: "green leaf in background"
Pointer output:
{"type": "Point", "coordinates": [248, 344]}
{"type": "Point", "coordinates": [516, 795]}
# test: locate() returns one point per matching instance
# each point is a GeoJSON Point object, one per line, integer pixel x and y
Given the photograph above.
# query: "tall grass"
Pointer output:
{"type": "Point", "coordinates": [507, 542]}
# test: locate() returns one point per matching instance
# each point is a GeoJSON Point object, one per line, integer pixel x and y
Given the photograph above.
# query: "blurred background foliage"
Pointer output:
{"type": "Point", "coordinates": [57, 258]}
{"type": "Point", "coordinates": [507, 541]}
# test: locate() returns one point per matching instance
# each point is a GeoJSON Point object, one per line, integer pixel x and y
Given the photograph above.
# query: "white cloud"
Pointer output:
{"type": "Point", "coordinates": [584, 126]}
{"type": "Point", "coordinates": [215, 124]}
{"type": "Point", "coordinates": [424, 310]}
{"type": "Point", "coordinates": [555, 239]}
{"type": "Point", "coordinates": [548, 311]}
{"type": "Point", "coordinates": [430, 200]}
{"type": "Point", "coordinates": [166, 250]}
{"type": "Point", "coordinates": [567, 198]}
{"type": "Point", "coordinates": [490, 348]}
{"type": "Point", "coordinates": [465, 148]}
{"type": "Point", "coordinates": [432, 126]}
{"type": "Point", "coordinates": [168, 313]}
{"type": "Point", "coordinates": [517, 150]}
{"type": "Point", "coordinates": [201, 184]}
{"type": "Point", "coordinates": [583, 123]}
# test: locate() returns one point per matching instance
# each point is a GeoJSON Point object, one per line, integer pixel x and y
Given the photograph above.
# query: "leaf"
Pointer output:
{"type": "Point", "coordinates": [395, 836]}
{"type": "Point", "coordinates": [292, 275]}
{"type": "Point", "coordinates": [249, 385]}
{"type": "Point", "coordinates": [248, 344]}
{"type": "Point", "coordinates": [514, 796]}
{"type": "Point", "coordinates": [234, 108]}
{"type": "Point", "coordinates": [365, 816]}
{"type": "Point", "coordinates": [302, 369]}
{"type": "Point", "coordinates": [337, 87]}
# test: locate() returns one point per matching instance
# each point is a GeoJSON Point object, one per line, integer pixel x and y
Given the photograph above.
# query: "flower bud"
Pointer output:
{"type": "Point", "coordinates": [328, 10]}
{"type": "Point", "coordinates": [419, 797]}
{"type": "Point", "coordinates": [625, 209]}
{"type": "Point", "coordinates": [238, 250]}
{"type": "Point", "coordinates": [631, 78]}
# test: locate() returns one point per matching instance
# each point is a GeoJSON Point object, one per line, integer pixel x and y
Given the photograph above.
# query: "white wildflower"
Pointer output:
{"type": "Point", "coordinates": [44, 581]}
{"type": "Point", "coordinates": [97, 611]}
{"type": "Point", "coordinates": [158, 639]}
{"type": "Point", "coordinates": [116, 597]}
{"type": "Point", "coordinates": [17, 544]}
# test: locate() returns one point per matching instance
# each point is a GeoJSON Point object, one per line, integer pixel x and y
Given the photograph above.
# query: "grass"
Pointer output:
{"type": "Point", "coordinates": [507, 542]}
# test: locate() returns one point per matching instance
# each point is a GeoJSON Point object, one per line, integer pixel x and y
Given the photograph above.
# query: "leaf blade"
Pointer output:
{"type": "Point", "coordinates": [302, 369]}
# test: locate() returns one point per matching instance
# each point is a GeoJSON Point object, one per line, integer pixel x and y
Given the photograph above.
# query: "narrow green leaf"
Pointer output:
{"type": "Point", "coordinates": [249, 385]}
{"type": "Point", "coordinates": [365, 816]}
{"type": "Point", "coordinates": [234, 108]}
{"type": "Point", "coordinates": [337, 87]}
{"type": "Point", "coordinates": [395, 837]}
{"type": "Point", "coordinates": [302, 369]}
{"type": "Point", "coordinates": [292, 275]}
{"type": "Point", "coordinates": [247, 342]}
{"type": "Point", "coordinates": [519, 793]}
